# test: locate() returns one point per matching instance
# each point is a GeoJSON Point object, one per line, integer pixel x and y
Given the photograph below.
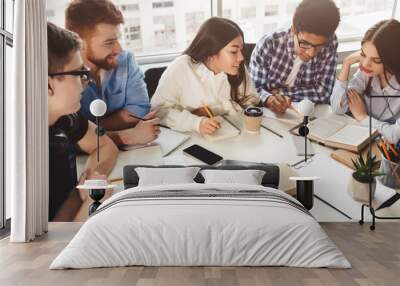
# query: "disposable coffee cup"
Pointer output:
{"type": "Point", "coordinates": [252, 119]}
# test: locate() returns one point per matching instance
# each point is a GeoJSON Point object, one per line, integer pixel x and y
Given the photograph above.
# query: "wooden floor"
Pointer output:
{"type": "Point", "coordinates": [375, 257]}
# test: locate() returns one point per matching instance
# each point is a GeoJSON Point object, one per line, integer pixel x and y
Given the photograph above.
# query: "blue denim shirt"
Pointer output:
{"type": "Point", "coordinates": [121, 88]}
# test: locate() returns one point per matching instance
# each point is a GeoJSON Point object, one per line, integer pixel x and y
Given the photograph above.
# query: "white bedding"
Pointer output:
{"type": "Point", "coordinates": [183, 231]}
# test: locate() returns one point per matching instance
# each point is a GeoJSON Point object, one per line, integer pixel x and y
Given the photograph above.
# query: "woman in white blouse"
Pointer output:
{"type": "Point", "coordinates": [211, 72]}
{"type": "Point", "coordinates": [378, 74]}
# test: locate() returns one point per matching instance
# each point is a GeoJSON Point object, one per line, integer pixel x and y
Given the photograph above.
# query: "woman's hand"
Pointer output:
{"type": "Point", "coordinates": [352, 59]}
{"type": "Point", "coordinates": [209, 126]}
{"type": "Point", "coordinates": [356, 105]}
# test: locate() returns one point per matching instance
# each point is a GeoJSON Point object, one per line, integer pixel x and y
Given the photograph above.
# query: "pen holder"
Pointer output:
{"type": "Point", "coordinates": [391, 179]}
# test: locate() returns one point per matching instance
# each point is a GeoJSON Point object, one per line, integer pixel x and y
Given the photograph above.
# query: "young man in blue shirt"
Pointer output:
{"type": "Point", "coordinates": [117, 78]}
{"type": "Point", "coordinates": [299, 62]}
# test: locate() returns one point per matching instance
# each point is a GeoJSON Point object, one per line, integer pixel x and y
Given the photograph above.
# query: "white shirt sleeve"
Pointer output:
{"type": "Point", "coordinates": [339, 102]}
{"type": "Point", "coordinates": [167, 97]}
{"type": "Point", "coordinates": [391, 132]}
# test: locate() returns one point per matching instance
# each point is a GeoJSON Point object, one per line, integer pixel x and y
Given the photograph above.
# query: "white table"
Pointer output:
{"type": "Point", "coordinates": [265, 147]}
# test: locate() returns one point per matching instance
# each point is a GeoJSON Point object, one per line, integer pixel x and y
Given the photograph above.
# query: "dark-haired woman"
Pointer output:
{"type": "Point", "coordinates": [378, 74]}
{"type": "Point", "coordinates": [211, 73]}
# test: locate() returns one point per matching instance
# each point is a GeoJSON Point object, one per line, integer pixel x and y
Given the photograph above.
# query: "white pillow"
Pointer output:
{"type": "Point", "coordinates": [248, 177]}
{"type": "Point", "coordinates": [163, 176]}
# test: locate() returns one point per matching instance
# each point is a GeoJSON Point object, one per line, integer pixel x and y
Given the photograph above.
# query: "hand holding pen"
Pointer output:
{"type": "Point", "coordinates": [278, 103]}
{"type": "Point", "coordinates": [208, 125]}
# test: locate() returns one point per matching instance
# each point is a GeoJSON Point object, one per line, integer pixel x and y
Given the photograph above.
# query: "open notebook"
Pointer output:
{"type": "Point", "coordinates": [290, 116]}
{"type": "Point", "coordinates": [227, 130]}
{"type": "Point", "coordinates": [340, 131]}
{"type": "Point", "coordinates": [168, 140]}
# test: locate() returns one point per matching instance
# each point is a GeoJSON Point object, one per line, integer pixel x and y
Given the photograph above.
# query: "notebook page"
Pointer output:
{"type": "Point", "coordinates": [289, 116]}
{"type": "Point", "coordinates": [170, 140]}
{"type": "Point", "coordinates": [227, 130]}
{"type": "Point", "coordinates": [350, 135]}
{"type": "Point", "coordinates": [324, 127]}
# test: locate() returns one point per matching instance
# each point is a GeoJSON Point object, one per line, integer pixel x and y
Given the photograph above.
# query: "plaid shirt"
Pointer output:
{"type": "Point", "coordinates": [272, 61]}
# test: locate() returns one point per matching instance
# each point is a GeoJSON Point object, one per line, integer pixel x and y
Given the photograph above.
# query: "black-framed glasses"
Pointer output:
{"type": "Point", "coordinates": [306, 45]}
{"type": "Point", "coordinates": [84, 74]}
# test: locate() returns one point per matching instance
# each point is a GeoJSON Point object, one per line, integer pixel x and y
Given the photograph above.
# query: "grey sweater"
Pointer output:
{"type": "Point", "coordinates": [385, 111]}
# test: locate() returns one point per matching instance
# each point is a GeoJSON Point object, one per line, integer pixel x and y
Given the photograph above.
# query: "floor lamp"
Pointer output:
{"type": "Point", "coordinates": [97, 188]}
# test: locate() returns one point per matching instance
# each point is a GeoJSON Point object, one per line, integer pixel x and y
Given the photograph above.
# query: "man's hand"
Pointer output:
{"type": "Point", "coordinates": [151, 115]}
{"type": "Point", "coordinates": [278, 103]}
{"type": "Point", "coordinates": [144, 132]}
{"type": "Point", "coordinates": [209, 126]}
{"type": "Point", "coordinates": [356, 105]}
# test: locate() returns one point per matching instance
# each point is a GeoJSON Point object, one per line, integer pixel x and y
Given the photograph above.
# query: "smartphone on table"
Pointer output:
{"type": "Point", "coordinates": [202, 154]}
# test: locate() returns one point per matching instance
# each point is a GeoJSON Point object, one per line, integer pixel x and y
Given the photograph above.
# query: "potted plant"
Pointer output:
{"type": "Point", "coordinates": [365, 174]}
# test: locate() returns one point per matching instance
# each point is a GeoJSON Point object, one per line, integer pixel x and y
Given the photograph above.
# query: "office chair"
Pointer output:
{"type": "Point", "coordinates": [247, 51]}
{"type": "Point", "coordinates": [152, 77]}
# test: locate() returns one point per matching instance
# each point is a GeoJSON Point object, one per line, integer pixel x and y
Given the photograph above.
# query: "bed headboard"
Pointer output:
{"type": "Point", "coordinates": [270, 179]}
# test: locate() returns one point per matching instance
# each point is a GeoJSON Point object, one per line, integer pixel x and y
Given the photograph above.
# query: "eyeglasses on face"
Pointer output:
{"type": "Point", "coordinates": [84, 74]}
{"type": "Point", "coordinates": [306, 45]}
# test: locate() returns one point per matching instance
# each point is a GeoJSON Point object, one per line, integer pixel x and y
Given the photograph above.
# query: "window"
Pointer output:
{"type": "Point", "coordinates": [161, 27]}
{"type": "Point", "coordinates": [164, 33]}
{"type": "Point", "coordinates": [6, 42]}
{"type": "Point", "coordinates": [163, 4]}
{"type": "Point", "coordinates": [132, 35]}
{"type": "Point", "coordinates": [193, 22]}
{"type": "Point", "coordinates": [9, 15]}
{"type": "Point", "coordinates": [151, 27]}
{"type": "Point", "coordinates": [248, 12]}
{"type": "Point", "coordinates": [356, 16]}
{"type": "Point", "coordinates": [129, 7]}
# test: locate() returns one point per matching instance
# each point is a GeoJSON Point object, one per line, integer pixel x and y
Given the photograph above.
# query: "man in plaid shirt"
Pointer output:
{"type": "Point", "coordinates": [299, 62]}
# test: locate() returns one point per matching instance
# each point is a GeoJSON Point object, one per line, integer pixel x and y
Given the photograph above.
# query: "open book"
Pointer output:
{"type": "Point", "coordinates": [227, 130]}
{"type": "Point", "coordinates": [168, 140]}
{"type": "Point", "coordinates": [340, 131]}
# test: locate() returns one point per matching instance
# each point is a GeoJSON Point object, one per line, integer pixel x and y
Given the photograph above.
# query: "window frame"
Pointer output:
{"type": "Point", "coordinates": [351, 42]}
{"type": "Point", "coordinates": [6, 39]}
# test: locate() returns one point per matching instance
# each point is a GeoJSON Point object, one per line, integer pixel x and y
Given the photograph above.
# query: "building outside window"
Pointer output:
{"type": "Point", "coordinates": [166, 27]}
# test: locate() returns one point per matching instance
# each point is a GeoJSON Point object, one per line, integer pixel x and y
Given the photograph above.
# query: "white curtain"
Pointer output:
{"type": "Point", "coordinates": [27, 124]}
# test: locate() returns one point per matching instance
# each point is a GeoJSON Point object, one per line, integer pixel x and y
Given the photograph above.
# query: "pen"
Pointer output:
{"type": "Point", "coordinates": [143, 119]}
{"type": "Point", "coordinates": [272, 131]}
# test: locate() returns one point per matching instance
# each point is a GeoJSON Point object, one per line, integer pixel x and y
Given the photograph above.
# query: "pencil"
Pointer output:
{"type": "Point", "coordinates": [392, 149]}
{"type": "Point", "coordinates": [272, 131]}
{"type": "Point", "coordinates": [116, 180]}
{"type": "Point", "coordinates": [383, 146]}
{"type": "Point", "coordinates": [295, 110]}
{"type": "Point", "coordinates": [208, 111]}
{"type": "Point", "coordinates": [144, 119]}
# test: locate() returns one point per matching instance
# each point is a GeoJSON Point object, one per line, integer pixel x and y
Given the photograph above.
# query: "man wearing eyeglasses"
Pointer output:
{"type": "Point", "coordinates": [67, 127]}
{"type": "Point", "coordinates": [117, 79]}
{"type": "Point", "coordinates": [300, 62]}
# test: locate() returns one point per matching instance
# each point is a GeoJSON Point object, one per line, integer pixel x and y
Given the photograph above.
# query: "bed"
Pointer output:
{"type": "Point", "coordinates": [201, 224]}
